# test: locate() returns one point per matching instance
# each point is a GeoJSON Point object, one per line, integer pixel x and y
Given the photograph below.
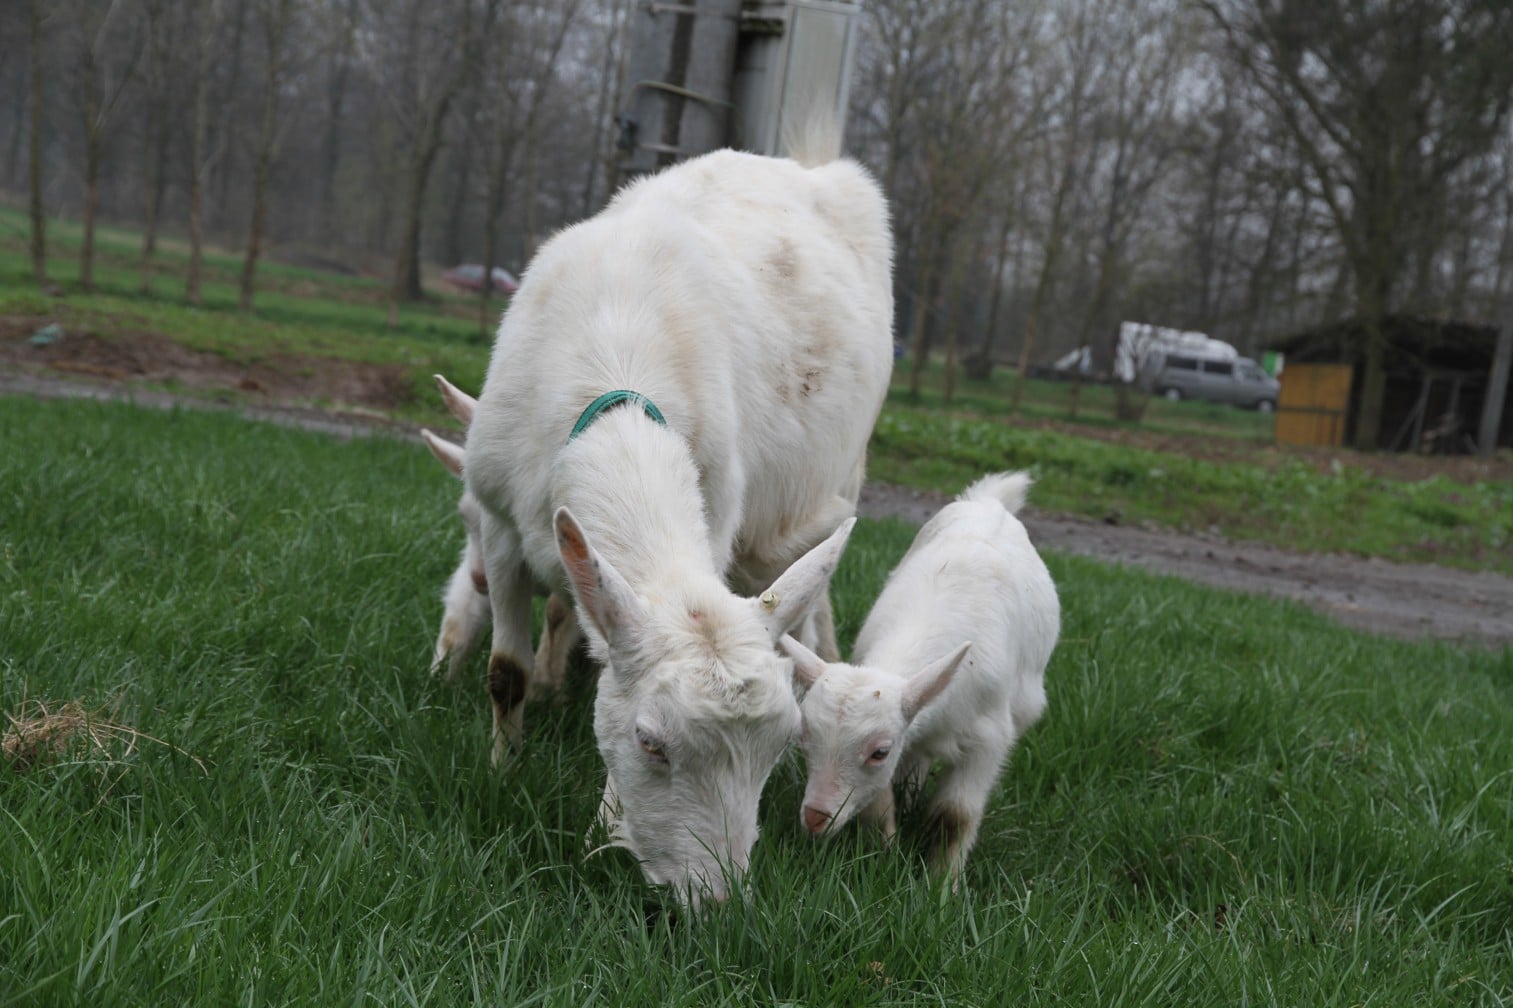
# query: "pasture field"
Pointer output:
{"type": "Point", "coordinates": [1231, 801]}
{"type": "Point", "coordinates": [1189, 466]}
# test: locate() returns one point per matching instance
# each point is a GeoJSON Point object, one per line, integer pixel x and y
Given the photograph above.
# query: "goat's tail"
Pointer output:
{"type": "Point", "coordinates": [1009, 489]}
{"type": "Point", "coordinates": [813, 138]}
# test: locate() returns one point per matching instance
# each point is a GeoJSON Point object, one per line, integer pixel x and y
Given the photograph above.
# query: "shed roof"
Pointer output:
{"type": "Point", "coordinates": [1414, 344]}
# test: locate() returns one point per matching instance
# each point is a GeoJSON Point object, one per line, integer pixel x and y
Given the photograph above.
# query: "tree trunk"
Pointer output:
{"type": "Point", "coordinates": [1368, 421]}
{"type": "Point", "coordinates": [924, 294]}
{"type": "Point", "coordinates": [406, 286]}
{"type": "Point", "coordinates": [34, 152]}
{"type": "Point", "coordinates": [255, 235]}
{"type": "Point", "coordinates": [156, 180]}
{"type": "Point", "coordinates": [91, 208]}
{"type": "Point", "coordinates": [980, 367]}
{"type": "Point", "coordinates": [208, 15]}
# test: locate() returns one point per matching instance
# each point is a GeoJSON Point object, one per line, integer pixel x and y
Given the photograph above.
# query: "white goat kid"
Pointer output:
{"type": "Point", "coordinates": [466, 597]}
{"type": "Point", "coordinates": [949, 667]}
{"type": "Point", "coordinates": [738, 310]}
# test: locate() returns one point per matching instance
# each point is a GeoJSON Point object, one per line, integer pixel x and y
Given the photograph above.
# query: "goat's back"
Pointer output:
{"type": "Point", "coordinates": [972, 574]}
{"type": "Point", "coordinates": [749, 298]}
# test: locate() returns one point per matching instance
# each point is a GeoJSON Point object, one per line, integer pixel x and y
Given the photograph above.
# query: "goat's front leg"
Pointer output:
{"type": "Point", "coordinates": [510, 659]}
{"type": "Point", "coordinates": [560, 634]}
{"type": "Point", "coordinates": [956, 810]}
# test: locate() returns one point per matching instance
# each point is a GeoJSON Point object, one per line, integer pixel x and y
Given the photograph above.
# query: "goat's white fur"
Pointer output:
{"type": "Point", "coordinates": [917, 694]}
{"type": "Point", "coordinates": [749, 299]}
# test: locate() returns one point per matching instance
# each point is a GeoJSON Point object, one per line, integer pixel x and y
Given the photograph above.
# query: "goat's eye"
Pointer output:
{"type": "Point", "coordinates": [879, 756]}
{"type": "Point", "coordinates": [651, 745]}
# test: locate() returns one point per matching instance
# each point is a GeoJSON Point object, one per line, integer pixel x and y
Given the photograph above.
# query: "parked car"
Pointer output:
{"type": "Point", "coordinates": [469, 277]}
{"type": "Point", "coordinates": [1240, 381]}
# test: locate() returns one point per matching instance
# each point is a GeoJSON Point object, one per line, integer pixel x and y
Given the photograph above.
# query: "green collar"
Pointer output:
{"type": "Point", "coordinates": [609, 401]}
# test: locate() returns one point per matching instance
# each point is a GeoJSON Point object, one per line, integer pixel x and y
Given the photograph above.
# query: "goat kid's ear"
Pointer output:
{"type": "Point", "coordinates": [794, 593]}
{"type": "Point", "coordinates": [447, 453]}
{"type": "Point", "coordinates": [807, 666]}
{"type": "Point", "coordinates": [459, 403]}
{"type": "Point", "coordinates": [926, 684]}
{"type": "Point", "coordinates": [601, 591]}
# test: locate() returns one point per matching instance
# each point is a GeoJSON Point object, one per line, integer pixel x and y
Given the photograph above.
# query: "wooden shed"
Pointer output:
{"type": "Point", "coordinates": [1437, 379]}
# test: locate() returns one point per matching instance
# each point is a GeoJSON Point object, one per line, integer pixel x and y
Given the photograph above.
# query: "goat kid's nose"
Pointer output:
{"type": "Point", "coordinates": [815, 820]}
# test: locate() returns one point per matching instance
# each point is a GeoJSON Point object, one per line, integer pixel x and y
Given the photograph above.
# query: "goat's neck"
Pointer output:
{"type": "Point", "coordinates": [633, 486]}
{"type": "Point", "coordinates": [899, 654]}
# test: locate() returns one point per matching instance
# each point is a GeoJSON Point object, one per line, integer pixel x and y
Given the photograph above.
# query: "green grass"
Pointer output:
{"type": "Point", "coordinates": [296, 311]}
{"type": "Point", "coordinates": [1230, 801]}
{"type": "Point", "coordinates": [1253, 491]}
{"type": "Point", "coordinates": [1277, 499]}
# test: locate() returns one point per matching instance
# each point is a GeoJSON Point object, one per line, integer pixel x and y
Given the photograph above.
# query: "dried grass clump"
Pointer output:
{"type": "Point", "coordinates": [40, 734]}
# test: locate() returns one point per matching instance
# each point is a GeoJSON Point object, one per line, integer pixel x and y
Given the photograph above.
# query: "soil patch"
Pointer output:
{"type": "Point", "coordinates": [1407, 601]}
{"type": "Point", "coordinates": [136, 358]}
{"type": "Point", "coordinates": [1414, 601]}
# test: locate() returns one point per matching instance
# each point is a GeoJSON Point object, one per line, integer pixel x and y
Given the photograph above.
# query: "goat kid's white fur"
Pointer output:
{"type": "Point", "coordinates": [949, 668]}
{"type": "Point", "coordinates": [465, 598]}
{"type": "Point", "coordinates": [749, 298]}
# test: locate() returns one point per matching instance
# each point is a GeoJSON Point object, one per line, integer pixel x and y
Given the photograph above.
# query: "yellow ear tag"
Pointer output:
{"type": "Point", "coordinates": [769, 600]}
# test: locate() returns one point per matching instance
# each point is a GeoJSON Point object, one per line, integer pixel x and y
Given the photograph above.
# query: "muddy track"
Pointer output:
{"type": "Point", "coordinates": [1414, 601]}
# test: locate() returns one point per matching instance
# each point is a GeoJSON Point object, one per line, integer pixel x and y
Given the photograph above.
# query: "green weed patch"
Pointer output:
{"type": "Point", "coordinates": [1230, 800]}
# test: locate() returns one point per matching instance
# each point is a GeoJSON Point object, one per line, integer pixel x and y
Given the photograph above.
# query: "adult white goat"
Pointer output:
{"type": "Point", "coordinates": [949, 667]}
{"type": "Point", "coordinates": [677, 406]}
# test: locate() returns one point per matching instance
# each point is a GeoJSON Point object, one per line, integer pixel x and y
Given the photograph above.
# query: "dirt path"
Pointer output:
{"type": "Point", "coordinates": [1412, 601]}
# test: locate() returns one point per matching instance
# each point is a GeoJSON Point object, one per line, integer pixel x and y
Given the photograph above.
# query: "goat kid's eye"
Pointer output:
{"type": "Point", "coordinates": [879, 756]}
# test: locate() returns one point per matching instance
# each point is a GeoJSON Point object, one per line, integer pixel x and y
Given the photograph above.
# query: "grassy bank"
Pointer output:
{"type": "Point", "coordinates": [1230, 800]}
{"type": "Point", "coordinates": [1189, 466]}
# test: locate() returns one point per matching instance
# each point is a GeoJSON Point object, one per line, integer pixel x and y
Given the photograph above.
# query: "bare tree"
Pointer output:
{"type": "Point", "coordinates": [436, 46]}
{"type": "Point", "coordinates": [275, 20]}
{"type": "Point", "coordinates": [342, 49]}
{"type": "Point", "coordinates": [1135, 137]}
{"type": "Point", "coordinates": [1386, 103]}
{"type": "Point", "coordinates": [36, 15]}
{"type": "Point", "coordinates": [160, 108]}
{"type": "Point", "coordinates": [1063, 160]}
{"type": "Point", "coordinates": [206, 17]}
{"type": "Point", "coordinates": [107, 45]}
{"type": "Point", "coordinates": [530, 49]}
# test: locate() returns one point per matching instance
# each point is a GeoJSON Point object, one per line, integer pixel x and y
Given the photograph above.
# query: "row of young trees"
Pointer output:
{"type": "Point", "coordinates": [353, 132]}
{"type": "Point", "coordinates": [1243, 167]}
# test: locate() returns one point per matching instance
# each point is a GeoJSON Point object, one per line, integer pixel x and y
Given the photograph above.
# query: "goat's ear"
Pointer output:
{"type": "Point", "coordinates": [794, 593]}
{"type": "Point", "coordinates": [807, 666]}
{"type": "Point", "coordinates": [926, 684]}
{"type": "Point", "coordinates": [601, 591]}
{"type": "Point", "coordinates": [459, 403]}
{"type": "Point", "coordinates": [446, 452]}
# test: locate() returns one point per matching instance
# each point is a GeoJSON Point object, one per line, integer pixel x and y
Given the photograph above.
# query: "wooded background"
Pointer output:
{"type": "Point", "coordinates": [1241, 167]}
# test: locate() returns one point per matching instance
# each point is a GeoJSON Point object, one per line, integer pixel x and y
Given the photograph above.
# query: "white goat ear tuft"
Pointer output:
{"type": "Point", "coordinates": [807, 666]}
{"type": "Point", "coordinates": [459, 403]}
{"type": "Point", "coordinates": [795, 592]}
{"type": "Point", "coordinates": [601, 591]}
{"type": "Point", "coordinates": [925, 685]}
{"type": "Point", "coordinates": [447, 453]}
